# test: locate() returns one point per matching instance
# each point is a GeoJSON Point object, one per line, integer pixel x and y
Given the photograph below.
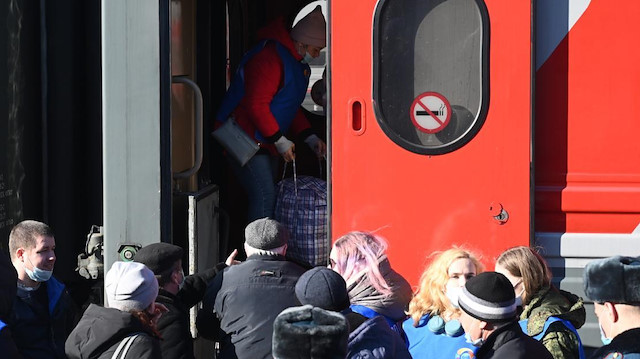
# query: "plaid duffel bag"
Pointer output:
{"type": "Point", "coordinates": [301, 206]}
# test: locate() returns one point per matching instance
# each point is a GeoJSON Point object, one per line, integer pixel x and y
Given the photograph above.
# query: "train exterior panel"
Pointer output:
{"type": "Point", "coordinates": [429, 201]}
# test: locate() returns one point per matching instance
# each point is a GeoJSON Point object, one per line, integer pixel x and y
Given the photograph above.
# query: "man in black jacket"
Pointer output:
{"type": "Point", "coordinates": [178, 293]}
{"type": "Point", "coordinates": [614, 286]}
{"type": "Point", "coordinates": [489, 320]}
{"type": "Point", "coordinates": [249, 296]}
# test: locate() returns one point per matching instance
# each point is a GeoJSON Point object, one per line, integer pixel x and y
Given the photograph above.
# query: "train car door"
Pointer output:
{"type": "Point", "coordinates": [431, 125]}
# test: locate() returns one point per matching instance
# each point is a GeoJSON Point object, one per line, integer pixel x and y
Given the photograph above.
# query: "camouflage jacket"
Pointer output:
{"type": "Point", "coordinates": [549, 301]}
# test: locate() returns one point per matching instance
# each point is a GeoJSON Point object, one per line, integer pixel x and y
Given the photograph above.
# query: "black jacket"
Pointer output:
{"type": "Point", "coordinates": [100, 330]}
{"type": "Point", "coordinates": [42, 319]}
{"type": "Point", "coordinates": [510, 342]}
{"type": "Point", "coordinates": [247, 298]}
{"type": "Point", "coordinates": [174, 325]}
{"type": "Point", "coordinates": [627, 342]}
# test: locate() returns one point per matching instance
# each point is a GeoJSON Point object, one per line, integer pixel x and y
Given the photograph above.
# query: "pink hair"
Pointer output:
{"type": "Point", "coordinates": [360, 251]}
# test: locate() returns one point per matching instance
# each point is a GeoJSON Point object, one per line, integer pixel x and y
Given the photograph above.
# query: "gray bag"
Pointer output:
{"type": "Point", "coordinates": [237, 143]}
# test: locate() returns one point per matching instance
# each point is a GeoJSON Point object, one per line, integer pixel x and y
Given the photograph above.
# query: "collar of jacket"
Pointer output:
{"type": "Point", "coordinates": [266, 257]}
{"type": "Point", "coordinates": [499, 337]}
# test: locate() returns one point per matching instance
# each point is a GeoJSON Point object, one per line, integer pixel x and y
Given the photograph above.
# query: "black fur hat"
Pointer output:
{"type": "Point", "coordinates": [308, 332]}
{"type": "Point", "coordinates": [614, 279]}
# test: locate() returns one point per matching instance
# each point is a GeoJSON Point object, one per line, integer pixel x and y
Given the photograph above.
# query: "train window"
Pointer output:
{"type": "Point", "coordinates": [430, 75]}
{"type": "Point", "coordinates": [318, 64]}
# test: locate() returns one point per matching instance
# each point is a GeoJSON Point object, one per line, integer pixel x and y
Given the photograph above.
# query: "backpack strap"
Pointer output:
{"type": "Point", "coordinates": [123, 347]}
{"type": "Point", "coordinates": [547, 324]}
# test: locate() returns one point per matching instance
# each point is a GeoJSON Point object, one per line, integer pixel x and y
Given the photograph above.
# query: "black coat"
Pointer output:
{"type": "Point", "coordinates": [100, 330]}
{"type": "Point", "coordinates": [510, 342]}
{"type": "Point", "coordinates": [174, 325]}
{"type": "Point", "coordinates": [247, 298]}
{"type": "Point", "coordinates": [627, 342]}
{"type": "Point", "coordinates": [42, 319]}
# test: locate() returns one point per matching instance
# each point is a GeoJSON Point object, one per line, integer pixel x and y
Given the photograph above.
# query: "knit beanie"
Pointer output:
{"type": "Point", "coordinates": [130, 286]}
{"type": "Point", "coordinates": [159, 257]}
{"type": "Point", "coordinates": [324, 288]}
{"type": "Point", "coordinates": [308, 332]}
{"type": "Point", "coordinates": [489, 297]}
{"type": "Point", "coordinates": [265, 234]}
{"type": "Point", "coordinates": [614, 279]}
{"type": "Point", "coordinates": [311, 29]}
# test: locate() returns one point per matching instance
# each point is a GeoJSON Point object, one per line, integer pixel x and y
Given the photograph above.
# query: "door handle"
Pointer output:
{"type": "Point", "coordinates": [198, 127]}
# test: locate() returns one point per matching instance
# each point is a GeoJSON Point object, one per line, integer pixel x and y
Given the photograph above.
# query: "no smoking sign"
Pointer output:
{"type": "Point", "coordinates": [430, 112]}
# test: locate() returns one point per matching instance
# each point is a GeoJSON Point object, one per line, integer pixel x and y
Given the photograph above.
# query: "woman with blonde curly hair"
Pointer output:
{"type": "Point", "coordinates": [374, 288]}
{"type": "Point", "coordinates": [433, 329]}
{"type": "Point", "coordinates": [548, 314]}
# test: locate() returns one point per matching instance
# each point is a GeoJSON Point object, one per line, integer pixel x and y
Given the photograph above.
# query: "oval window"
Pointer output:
{"type": "Point", "coordinates": [431, 73]}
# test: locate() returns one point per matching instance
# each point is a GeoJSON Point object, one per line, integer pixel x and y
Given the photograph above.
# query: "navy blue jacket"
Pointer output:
{"type": "Point", "coordinates": [375, 339]}
{"type": "Point", "coordinates": [40, 332]}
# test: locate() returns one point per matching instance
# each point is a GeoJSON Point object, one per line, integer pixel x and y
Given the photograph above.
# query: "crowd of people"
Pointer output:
{"type": "Point", "coordinates": [270, 306]}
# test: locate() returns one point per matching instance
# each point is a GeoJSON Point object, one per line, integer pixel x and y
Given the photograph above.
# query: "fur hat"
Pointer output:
{"type": "Point", "coordinates": [130, 286]}
{"type": "Point", "coordinates": [308, 332]}
{"type": "Point", "coordinates": [311, 29]}
{"type": "Point", "coordinates": [159, 257]}
{"type": "Point", "coordinates": [489, 297]}
{"type": "Point", "coordinates": [614, 279]}
{"type": "Point", "coordinates": [265, 234]}
{"type": "Point", "coordinates": [324, 288]}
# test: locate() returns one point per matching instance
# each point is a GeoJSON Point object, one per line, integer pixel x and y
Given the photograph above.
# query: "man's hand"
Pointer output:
{"type": "Point", "coordinates": [231, 259]}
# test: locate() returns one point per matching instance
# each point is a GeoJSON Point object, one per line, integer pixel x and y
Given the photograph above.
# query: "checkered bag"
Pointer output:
{"type": "Point", "coordinates": [301, 206]}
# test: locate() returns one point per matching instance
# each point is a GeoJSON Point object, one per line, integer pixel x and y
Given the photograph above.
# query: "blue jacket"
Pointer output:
{"type": "Point", "coordinates": [375, 339]}
{"type": "Point", "coordinates": [38, 331]}
{"type": "Point", "coordinates": [423, 343]}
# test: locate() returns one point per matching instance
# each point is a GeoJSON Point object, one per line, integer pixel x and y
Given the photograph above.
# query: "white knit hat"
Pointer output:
{"type": "Point", "coordinates": [130, 286]}
{"type": "Point", "coordinates": [311, 29]}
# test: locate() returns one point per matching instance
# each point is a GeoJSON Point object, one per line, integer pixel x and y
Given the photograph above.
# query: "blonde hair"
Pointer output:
{"type": "Point", "coordinates": [528, 264]}
{"type": "Point", "coordinates": [358, 253]}
{"type": "Point", "coordinates": [430, 297]}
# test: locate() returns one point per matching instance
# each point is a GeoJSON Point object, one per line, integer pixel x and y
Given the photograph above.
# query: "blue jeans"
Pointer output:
{"type": "Point", "coordinates": [257, 178]}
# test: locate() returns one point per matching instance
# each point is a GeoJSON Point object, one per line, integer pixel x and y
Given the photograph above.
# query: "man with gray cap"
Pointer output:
{"type": "Point", "coordinates": [249, 296]}
{"type": "Point", "coordinates": [614, 286]}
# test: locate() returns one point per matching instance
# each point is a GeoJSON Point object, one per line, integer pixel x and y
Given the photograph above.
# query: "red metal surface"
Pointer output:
{"type": "Point", "coordinates": [426, 203]}
{"type": "Point", "coordinates": [587, 110]}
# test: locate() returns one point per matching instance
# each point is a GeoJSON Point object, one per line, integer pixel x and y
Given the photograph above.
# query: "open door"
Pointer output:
{"type": "Point", "coordinates": [431, 125]}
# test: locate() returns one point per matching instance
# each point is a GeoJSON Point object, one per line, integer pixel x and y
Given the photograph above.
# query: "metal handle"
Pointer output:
{"type": "Point", "coordinates": [198, 130]}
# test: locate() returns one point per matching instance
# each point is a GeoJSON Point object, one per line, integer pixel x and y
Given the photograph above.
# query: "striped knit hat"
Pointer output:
{"type": "Point", "coordinates": [489, 297]}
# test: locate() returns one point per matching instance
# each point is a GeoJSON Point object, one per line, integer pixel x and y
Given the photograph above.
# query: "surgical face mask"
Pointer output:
{"type": "Point", "coordinates": [477, 342]}
{"type": "Point", "coordinates": [307, 58]}
{"type": "Point", "coordinates": [37, 274]}
{"type": "Point", "coordinates": [519, 296]}
{"type": "Point", "coordinates": [181, 285]}
{"type": "Point", "coordinates": [603, 337]}
{"type": "Point", "coordinates": [453, 294]}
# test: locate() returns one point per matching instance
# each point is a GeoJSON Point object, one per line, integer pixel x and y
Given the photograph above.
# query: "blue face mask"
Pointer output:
{"type": "Point", "coordinates": [476, 343]}
{"type": "Point", "coordinates": [307, 58]}
{"type": "Point", "coordinates": [37, 274]}
{"type": "Point", "coordinates": [181, 285]}
{"type": "Point", "coordinates": [603, 338]}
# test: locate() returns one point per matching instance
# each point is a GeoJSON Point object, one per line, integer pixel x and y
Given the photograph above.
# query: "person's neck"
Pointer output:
{"type": "Point", "coordinates": [27, 283]}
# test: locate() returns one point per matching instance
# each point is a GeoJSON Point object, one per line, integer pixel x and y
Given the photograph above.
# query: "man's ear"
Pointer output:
{"type": "Point", "coordinates": [19, 253]}
{"type": "Point", "coordinates": [611, 311]}
{"type": "Point", "coordinates": [485, 325]}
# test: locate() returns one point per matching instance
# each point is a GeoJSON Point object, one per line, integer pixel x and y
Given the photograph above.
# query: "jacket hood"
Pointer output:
{"type": "Point", "coordinates": [551, 301]}
{"type": "Point", "coordinates": [98, 330]}
{"type": "Point", "coordinates": [376, 339]}
{"type": "Point", "coordinates": [278, 31]}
